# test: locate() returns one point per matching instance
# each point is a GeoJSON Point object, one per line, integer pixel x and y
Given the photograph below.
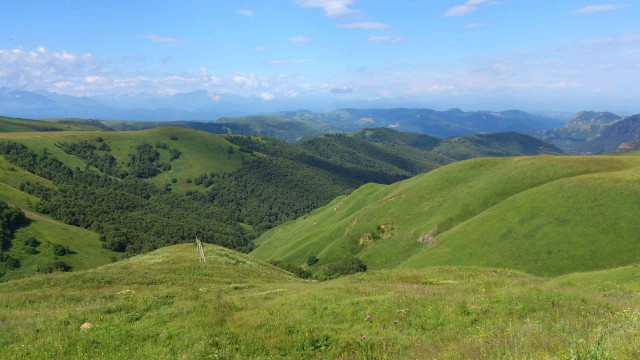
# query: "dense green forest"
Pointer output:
{"type": "Point", "coordinates": [10, 219]}
{"type": "Point", "coordinates": [132, 215]}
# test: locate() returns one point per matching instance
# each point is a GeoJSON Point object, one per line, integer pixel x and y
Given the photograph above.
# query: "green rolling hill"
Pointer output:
{"type": "Point", "coordinates": [487, 257]}
{"type": "Point", "coordinates": [200, 152]}
{"type": "Point", "coordinates": [8, 124]}
{"type": "Point", "coordinates": [168, 304]}
{"type": "Point", "coordinates": [542, 215]}
{"type": "Point", "coordinates": [140, 190]}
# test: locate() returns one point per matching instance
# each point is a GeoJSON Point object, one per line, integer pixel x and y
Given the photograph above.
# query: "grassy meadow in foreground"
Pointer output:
{"type": "Point", "coordinates": [167, 304]}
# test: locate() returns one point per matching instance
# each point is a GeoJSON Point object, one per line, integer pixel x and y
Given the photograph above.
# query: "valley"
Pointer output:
{"type": "Point", "coordinates": [373, 243]}
{"type": "Point", "coordinates": [320, 179]}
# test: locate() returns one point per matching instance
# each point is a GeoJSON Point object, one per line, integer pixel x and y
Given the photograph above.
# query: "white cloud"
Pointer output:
{"type": "Point", "coordinates": [384, 39]}
{"type": "Point", "coordinates": [246, 81]}
{"type": "Point", "coordinates": [466, 8]}
{"type": "Point", "coordinates": [598, 8]}
{"type": "Point", "coordinates": [160, 39]}
{"type": "Point", "coordinates": [266, 96]}
{"type": "Point", "coordinates": [331, 8]}
{"type": "Point", "coordinates": [94, 79]}
{"type": "Point", "coordinates": [299, 39]}
{"type": "Point", "coordinates": [41, 68]}
{"type": "Point", "coordinates": [365, 25]}
{"type": "Point", "coordinates": [245, 12]}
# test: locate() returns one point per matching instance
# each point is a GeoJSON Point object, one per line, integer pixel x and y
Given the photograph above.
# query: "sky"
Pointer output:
{"type": "Point", "coordinates": [476, 54]}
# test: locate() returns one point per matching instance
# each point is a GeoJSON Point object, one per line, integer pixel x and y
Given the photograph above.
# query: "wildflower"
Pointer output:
{"type": "Point", "coordinates": [395, 322]}
{"type": "Point", "coordinates": [363, 338]}
{"type": "Point", "coordinates": [367, 318]}
{"type": "Point", "coordinates": [400, 329]}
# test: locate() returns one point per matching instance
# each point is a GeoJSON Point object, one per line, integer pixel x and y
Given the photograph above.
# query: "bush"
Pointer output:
{"type": "Point", "coordinates": [312, 260]}
{"type": "Point", "coordinates": [345, 267]}
{"type": "Point", "coordinates": [30, 250]}
{"type": "Point", "coordinates": [31, 241]}
{"type": "Point", "coordinates": [57, 265]}
{"type": "Point", "coordinates": [175, 153]}
{"type": "Point", "coordinates": [295, 270]}
{"type": "Point", "coordinates": [8, 262]}
{"type": "Point", "coordinates": [60, 250]}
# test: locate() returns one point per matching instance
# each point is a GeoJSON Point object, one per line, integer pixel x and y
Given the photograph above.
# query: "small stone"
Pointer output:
{"type": "Point", "coordinates": [86, 326]}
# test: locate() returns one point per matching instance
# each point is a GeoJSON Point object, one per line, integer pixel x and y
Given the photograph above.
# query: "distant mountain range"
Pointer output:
{"type": "Point", "coordinates": [585, 132]}
{"type": "Point", "coordinates": [292, 126]}
{"type": "Point", "coordinates": [205, 106]}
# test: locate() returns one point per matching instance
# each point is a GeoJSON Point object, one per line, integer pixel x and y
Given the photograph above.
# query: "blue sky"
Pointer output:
{"type": "Point", "coordinates": [477, 54]}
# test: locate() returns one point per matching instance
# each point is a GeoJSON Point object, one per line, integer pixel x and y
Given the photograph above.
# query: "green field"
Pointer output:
{"type": "Point", "coordinates": [167, 304]}
{"type": "Point", "coordinates": [542, 215]}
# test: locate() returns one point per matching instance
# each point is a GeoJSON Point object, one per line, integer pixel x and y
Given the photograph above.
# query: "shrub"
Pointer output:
{"type": "Point", "coordinates": [312, 260]}
{"type": "Point", "coordinates": [175, 153]}
{"type": "Point", "coordinates": [8, 262]}
{"type": "Point", "coordinates": [31, 241]}
{"type": "Point", "coordinates": [295, 270]}
{"type": "Point", "coordinates": [346, 267]}
{"type": "Point", "coordinates": [57, 265]}
{"type": "Point", "coordinates": [60, 250]}
{"type": "Point", "coordinates": [30, 250]}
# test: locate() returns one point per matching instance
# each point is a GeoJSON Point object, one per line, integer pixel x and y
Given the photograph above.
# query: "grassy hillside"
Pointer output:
{"type": "Point", "coordinates": [534, 214]}
{"type": "Point", "coordinates": [200, 152]}
{"type": "Point", "coordinates": [86, 249]}
{"type": "Point", "coordinates": [227, 190]}
{"type": "Point", "coordinates": [8, 124]}
{"type": "Point", "coordinates": [167, 304]}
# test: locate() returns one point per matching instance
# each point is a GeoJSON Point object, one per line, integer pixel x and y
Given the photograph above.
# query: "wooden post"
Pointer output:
{"type": "Point", "coordinates": [200, 250]}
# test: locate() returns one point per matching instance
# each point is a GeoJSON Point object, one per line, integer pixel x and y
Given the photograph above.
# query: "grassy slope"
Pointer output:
{"type": "Point", "coordinates": [8, 124]}
{"type": "Point", "coordinates": [166, 304]}
{"type": "Point", "coordinates": [576, 224]}
{"type": "Point", "coordinates": [201, 152]}
{"type": "Point", "coordinates": [87, 248]}
{"type": "Point", "coordinates": [473, 204]}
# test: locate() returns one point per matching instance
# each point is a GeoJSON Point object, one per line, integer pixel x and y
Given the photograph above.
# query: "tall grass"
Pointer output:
{"type": "Point", "coordinates": [168, 304]}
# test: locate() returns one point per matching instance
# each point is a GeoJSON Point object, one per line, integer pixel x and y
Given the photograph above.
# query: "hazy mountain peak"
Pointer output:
{"type": "Point", "coordinates": [592, 118]}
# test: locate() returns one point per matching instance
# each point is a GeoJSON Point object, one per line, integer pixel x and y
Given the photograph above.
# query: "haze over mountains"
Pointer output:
{"type": "Point", "coordinates": [200, 105]}
{"type": "Point", "coordinates": [584, 132]}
